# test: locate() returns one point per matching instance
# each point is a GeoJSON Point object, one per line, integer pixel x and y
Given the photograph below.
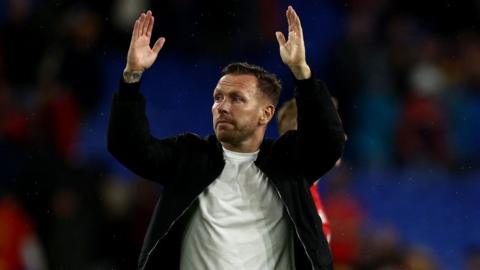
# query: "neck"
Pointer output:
{"type": "Point", "coordinates": [249, 145]}
{"type": "Point", "coordinates": [242, 148]}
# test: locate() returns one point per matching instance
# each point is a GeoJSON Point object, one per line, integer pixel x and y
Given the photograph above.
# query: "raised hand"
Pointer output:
{"type": "Point", "coordinates": [292, 51]}
{"type": "Point", "coordinates": [140, 56]}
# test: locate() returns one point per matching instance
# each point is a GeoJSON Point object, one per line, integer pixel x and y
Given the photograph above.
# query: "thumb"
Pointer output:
{"type": "Point", "coordinates": [158, 45]}
{"type": "Point", "coordinates": [280, 38]}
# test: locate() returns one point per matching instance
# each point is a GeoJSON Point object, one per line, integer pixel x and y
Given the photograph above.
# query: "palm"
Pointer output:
{"type": "Point", "coordinates": [292, 51]}
{"type": "Point", "coordinates": [140, 55]}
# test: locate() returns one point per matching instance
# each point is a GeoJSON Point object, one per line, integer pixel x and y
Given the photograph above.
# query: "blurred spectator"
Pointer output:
{"type": "Point", "coordinates": [346, 217]}
{"type": "Point", "coordinates": [359, 75]}
{"type": "Point", "coordinates": [146, 195]}
{"type": "Point", "coordinates": [350, 58]}
{"type": "Point", "coordinates": [59, 116]}
{"type": "Point", "coordinates": [79, 65]}
{"type": "Point", "coordinates": [13, 121]}
{"type": "Point", "coordinates": [381, 249]}
{"type": "Point", "coordinates": [73, 234]}
{"type": "Point", "coordinates": [420, 258]}
{"type": "Point", "coordinates": [463, 100]}
{"type": "Point", "coordinates": [422, 129]}
{"type": "Point", "coordinates": [126, 209]}
{"type": "Point", "coordinates": [70, 243]}
{"type": "Point", "coordinates": [118, 243]}
{"type": "Point", "coordinates": [373, 139]}
{"type": "Point", "coordinates": [124, 12]}
{"type": "Point", "coordinates": [400, 34]}
{"type": "Point", "coordinates": [19, 247]}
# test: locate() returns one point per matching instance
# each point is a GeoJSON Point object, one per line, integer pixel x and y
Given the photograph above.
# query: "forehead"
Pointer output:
{"type": "Point", "coordinates": [237, 82]}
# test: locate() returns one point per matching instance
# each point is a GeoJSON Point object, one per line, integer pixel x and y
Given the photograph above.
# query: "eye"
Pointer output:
{"type": "Point", "coordinates": [217, 98]}
{"type": "Point", "coordinates": [237, 99]}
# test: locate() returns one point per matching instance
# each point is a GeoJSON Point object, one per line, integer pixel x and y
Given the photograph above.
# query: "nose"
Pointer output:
{"type": "Point", "coordinates": [223, 106]}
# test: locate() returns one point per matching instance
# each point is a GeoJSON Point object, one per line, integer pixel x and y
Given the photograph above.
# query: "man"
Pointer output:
{"type": "Point", "coordinates": [233, 200]}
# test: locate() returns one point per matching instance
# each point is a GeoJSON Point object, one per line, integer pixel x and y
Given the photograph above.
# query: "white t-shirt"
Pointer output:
{"type": "Point", "coordinates": [240, 223]}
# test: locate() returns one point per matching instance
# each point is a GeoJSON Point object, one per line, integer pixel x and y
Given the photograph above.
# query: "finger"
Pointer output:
{"type": "Point", "coordinates": [289, 19]}
{"type": "Point", "coordinates": [142, 22]}
{"type": "Point", "coordinates": [292, 17]}
{"type": "Point", "coordinates": [293, 37]}
{"type": "Point", "coordinates": [158, 45]}
{"type": "Point", "coordinates": [297, 23]}
{"type": "Point", "coordinates": [150, 27]}
{"type": "Point", "coordinates": [290, 12]}
{"type": "Point", "coordinates": [148, 18]}
{"type": "Point", "coordinates": [280, 38]}
{"type": "Point", "coordinates": [135, 30]}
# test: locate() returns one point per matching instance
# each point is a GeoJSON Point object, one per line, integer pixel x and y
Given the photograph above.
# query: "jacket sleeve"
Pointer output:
{"type": "Point", "coordinates": [320, 138]}
{"type": "Point", "coordinates": [129, 139]}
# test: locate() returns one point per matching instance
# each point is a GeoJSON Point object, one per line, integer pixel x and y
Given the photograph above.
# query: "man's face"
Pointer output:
{"type": "Point", "coordinates": [238, 108]}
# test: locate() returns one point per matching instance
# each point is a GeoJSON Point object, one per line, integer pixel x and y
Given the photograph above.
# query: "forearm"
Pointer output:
{"type": "Point", "coordinates": [320, 131]}
{"type": "Point", "coordinates": [128, 136]}
{"type": "Point", "coordinates": [130, 140]}
{"type": "Point", "coordinates": [127, 122]}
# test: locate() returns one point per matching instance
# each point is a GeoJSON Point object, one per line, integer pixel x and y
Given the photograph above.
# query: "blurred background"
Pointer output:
{"type": "Point", "coordinates": [406, 75]}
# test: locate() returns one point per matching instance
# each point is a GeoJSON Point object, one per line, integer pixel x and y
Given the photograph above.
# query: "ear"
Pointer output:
{"type": "Point", "coordinates": [267, 114]}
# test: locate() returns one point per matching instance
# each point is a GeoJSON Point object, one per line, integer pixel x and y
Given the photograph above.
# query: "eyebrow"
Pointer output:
{"type": "Point", "coordinates": [233, 92]}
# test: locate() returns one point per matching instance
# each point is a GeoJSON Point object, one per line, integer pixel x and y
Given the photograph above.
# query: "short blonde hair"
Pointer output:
{"type": "Point", "coordinates": [288, 109]}
{"type": "Point", "coordinates": [287, 116]}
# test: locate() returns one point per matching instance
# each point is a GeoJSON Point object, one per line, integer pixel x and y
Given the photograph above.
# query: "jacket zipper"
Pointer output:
{"type": "Point", "coordinates": [168, 230]}
{"type": "Point", "coordinates": [171, 225]}
{"type": "Point", "coordinates": [294, 224]}
{"type": "Point", "coordinates": [190, 205]}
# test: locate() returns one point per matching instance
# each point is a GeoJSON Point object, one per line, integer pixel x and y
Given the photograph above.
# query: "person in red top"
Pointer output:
{"type": "Point", "coordinates": [19, 246]}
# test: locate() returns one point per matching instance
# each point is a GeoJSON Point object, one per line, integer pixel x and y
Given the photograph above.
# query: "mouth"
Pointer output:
{"type": "Point", "coordinates": [223, 122]}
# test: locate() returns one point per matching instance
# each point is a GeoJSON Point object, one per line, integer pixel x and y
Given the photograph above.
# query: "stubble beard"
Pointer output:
{"type": "Point", "coordinates": [234, 136]}
{"type": "Point", "coordinates": [228, 136]}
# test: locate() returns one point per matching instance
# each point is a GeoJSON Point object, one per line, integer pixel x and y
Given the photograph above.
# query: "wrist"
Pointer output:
{"type": "Point", "coordinates": [301, 72]}
{"type": "Point", "coordinates": [133, 68]}
{"type": "Point", "coordinates": [132, 76]}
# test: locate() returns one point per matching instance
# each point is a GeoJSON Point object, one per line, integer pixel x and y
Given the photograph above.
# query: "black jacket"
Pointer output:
{"type": "Point", "coordinates": [186, 164]}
